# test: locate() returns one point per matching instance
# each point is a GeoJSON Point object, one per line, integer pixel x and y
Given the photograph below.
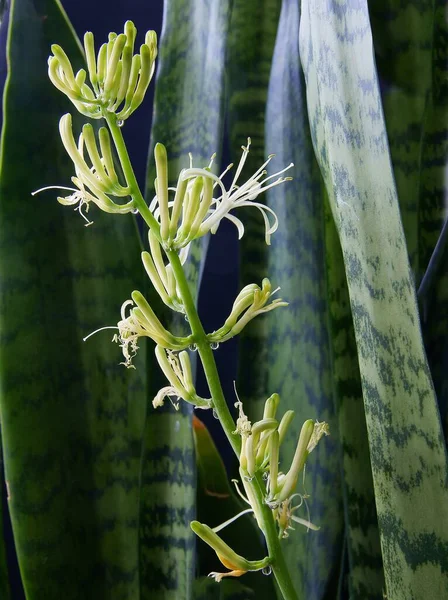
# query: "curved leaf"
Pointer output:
{"type": "Point", "coordinates": [406, 443]}
{"type": "Point", "coordinates": [411, 51]}
{"type": "Point", "coordinates": [5, 590]}
{"type": "Point", "coordinates": [72, 418]}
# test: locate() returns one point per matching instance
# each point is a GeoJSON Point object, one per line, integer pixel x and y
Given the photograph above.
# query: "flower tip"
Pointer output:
{"type": "Point", "coordinates": [137, 297]}
{"type": "Point", "coordinates": [160, 151]}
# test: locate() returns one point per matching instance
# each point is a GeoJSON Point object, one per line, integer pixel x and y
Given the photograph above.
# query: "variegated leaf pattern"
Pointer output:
{"type": "Point", "coordinates": [72, 417]}
{"type": "Point", "coordinates": [411, 49]}
{"type": "Point", "coordinates": [251, 45]}
{"type": "Point", "coordinates": [299, 365]}
{"type": "Point", "coordinates": [406, 443]}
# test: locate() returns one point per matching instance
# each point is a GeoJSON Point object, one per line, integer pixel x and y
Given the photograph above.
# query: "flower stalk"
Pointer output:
{"type": "Point", "coordinates": [117, 81]}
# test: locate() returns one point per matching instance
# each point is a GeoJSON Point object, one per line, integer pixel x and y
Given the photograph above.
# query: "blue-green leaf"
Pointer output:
{"type": "Point", "coordinates": [298, 351]}
{"type": "Point", "coordinates": [406, 442]}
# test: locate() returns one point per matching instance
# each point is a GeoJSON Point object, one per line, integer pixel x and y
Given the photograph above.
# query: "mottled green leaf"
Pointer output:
{"type": "Point", "coordinates": [72, 417]}
{"type": "Point", "coordinates": [406, 444]}
{"type": "Point", "coordinates": [187, 118]}
{"type": "Point", "coordinates": [251, 44]}
{"type": "Point", "coordinates": [298, 350]}
{"type": "Point", "coordinates": [228, 589]}
{"type": "Point", "coordinates": [411, 45]}
{"type": "Point", "coordinates": [365, 576]}
{"type": "Point", "coordinates": [5, 591]}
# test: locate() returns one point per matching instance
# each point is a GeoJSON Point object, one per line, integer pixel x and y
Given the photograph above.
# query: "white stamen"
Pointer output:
{"type": "Point", "coordinates": [98, 330]}
{"type": "Point", "coordinates": [232, 519]}
{"type": "Point", "coordinates": [54, 187]}
{"type": "Point", "coordinates": [239, 492]}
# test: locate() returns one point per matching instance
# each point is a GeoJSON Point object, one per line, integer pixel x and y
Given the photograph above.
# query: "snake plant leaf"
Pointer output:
{"type": "Point", "coordinates": [5, 590]}
{"type": "Point", "coordinates": [72, 417]}
{"type": "Point", "coordinates": [250, 47]}
{"type": "Point", "coordinates": [403, 42]}
{"type": "Point", "coordinates": [228, 589]}
{"type": "Point", "coordinates": [188, 117]}
{"type": "Point", "coordinates": [406, 443]}
{"type": "Point", "coordinates": [218, 502]}
{"type": "Point", "coordinates": [411, 57]}
{"type": "Point", "coordinates": [298, 353]}
{"type": "Point", "coordinates": [365, 565]}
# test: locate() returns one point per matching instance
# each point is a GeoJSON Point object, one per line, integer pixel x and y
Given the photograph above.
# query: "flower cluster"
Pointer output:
{"type": "Point", "coordinates": [250, 302]}
{"type": "Point", "coordinates": [177, 369]}
{"type": "Point", "coordinates": [118, 78]}
{"type": "Point", "coordinates": [142, 322]}
{"type": "Point", "coordinates": [195, 207]}
{"type": "Point", "coordinates": [259, 457]}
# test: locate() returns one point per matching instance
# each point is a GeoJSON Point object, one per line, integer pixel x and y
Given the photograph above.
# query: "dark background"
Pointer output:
{"type": "Point", "coordinates": [219, 285]}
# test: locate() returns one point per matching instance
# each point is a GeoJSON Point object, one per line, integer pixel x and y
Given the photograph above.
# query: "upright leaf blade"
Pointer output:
{"type": "Point", "coordinates": [298, 352]}
{"type": "Point", "coordinates": [365, 565]}
{"type": "Point", "coordinates": [5, 590]}
{"type": "Point", "coordinates": [407, 448]}
{"type": "Point", "coordinates": [251, 45]}
{"type": "Point", "coordinates": [71, 416]}
{"type": "Point", "coordinates": [411, 55]}
{"type": "Point", "coordinates": [188, 118]}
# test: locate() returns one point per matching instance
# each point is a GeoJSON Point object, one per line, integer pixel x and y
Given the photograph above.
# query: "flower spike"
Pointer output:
{"type": "Point", "coordinates": [118, 80]}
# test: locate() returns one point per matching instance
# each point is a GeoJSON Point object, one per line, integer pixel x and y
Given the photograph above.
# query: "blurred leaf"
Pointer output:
{"type": "Point", "coordinates": [5, 590]}
{"type": "Point", "coordinates": [411, 50]}
{"type": "Point", "coordinates": [187, 118]}
{"type": "Point", "coordinates": [406, 444]}
{"type": "Point", "coordinates": [217, 502]}
{"type": "Point", "coordinates": [228, 589]}
{"type": "Point", "coordinates": [298, 350]}
{"type": "Point", "coordinates": [251, 45]}
{"type": "Point", "coordinates": [72, 418]}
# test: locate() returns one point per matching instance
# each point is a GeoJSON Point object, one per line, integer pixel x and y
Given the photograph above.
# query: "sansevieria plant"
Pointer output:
{"type": "Point", "coordinates": [175, 218]}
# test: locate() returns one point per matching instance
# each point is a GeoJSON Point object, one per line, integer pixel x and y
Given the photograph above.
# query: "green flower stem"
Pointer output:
{"type": "Point", "coordinates": [206, 354]}
{"type": "Point", "coordinates": [263, 512]}
{"type": "Point", "coordinates": [128, 172]}
{"type": "Point", "coordinates": [267, 524]}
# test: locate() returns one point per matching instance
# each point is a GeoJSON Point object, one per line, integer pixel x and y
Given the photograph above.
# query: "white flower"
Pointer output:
{"type": "Point", "coordinates": [95, 180]}
{"type": "Point", "coordinates": [250, 302]}
{"type": "Point", "coordinates": [141, 322]}
{"type": "Point", "coordinates": [118, 78]}
{"type": "Point", "coordinates": [195, 206]}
